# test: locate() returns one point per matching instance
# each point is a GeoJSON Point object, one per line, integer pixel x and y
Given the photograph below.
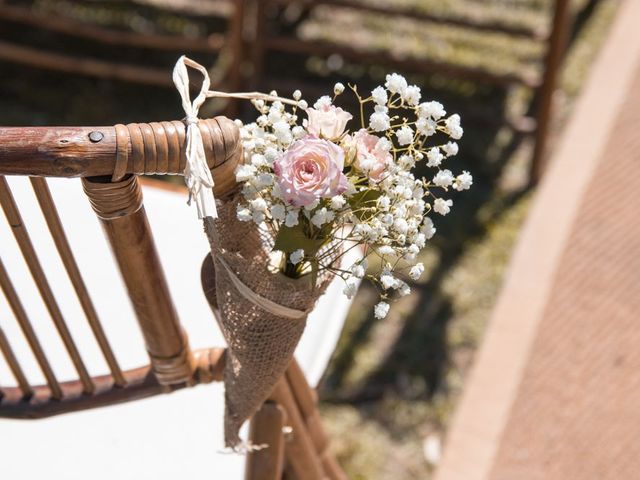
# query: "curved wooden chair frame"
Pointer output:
{"type": "Point", "coordinates": [109, 161]}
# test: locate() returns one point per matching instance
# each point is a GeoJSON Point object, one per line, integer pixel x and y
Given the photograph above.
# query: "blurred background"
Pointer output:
{"type": "Point", "coordinates": [511, 68]}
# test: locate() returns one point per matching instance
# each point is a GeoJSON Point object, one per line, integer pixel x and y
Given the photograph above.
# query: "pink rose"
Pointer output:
{"type": "Point", "coordinates": [310, 169]}
{"type": "Point", "coordinates": [328, 121]}
{"type": "Point", "coordinates": [370, 158]}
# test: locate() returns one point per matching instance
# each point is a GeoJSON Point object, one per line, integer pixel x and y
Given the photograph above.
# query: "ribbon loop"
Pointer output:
{"type": "Point", "coordinates": [197, 174]}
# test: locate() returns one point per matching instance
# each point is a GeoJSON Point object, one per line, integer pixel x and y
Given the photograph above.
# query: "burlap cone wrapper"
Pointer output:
{"type": "Point", "coordinates": [260, 343]}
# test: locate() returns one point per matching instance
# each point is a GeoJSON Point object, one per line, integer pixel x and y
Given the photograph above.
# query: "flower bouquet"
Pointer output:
{"type": "Point", "coordinates": [317, 182]}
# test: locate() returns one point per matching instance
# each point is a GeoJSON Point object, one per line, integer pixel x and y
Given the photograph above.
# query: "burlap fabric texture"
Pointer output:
{"type": "Point", "coordinates": [260, 343]}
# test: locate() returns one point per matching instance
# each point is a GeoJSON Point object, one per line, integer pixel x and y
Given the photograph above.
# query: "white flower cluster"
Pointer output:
{"type": "Point", "coordinates": [263, 142]}
{"type": "Point", "coordinates": [379, 204]}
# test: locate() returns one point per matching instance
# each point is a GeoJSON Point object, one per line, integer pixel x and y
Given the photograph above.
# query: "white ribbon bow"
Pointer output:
{"type": "Point", "coordinates": [197, 174]}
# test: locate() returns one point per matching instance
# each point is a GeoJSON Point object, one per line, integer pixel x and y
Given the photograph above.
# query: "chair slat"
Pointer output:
{"type": "Point", "coordinates": [27, 330]}
{"type": "Point", "coordinates": [14, 365]}
{"type": "Point", "coordinates": [52, 218]}
{"type": "Point", "coordinates": [26, 246]}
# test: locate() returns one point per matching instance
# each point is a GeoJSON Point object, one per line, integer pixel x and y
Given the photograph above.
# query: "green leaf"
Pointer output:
{"type": "Point", "coordinates": [362, 200]}
{"type": "Point", "coordinates": [290, 239]}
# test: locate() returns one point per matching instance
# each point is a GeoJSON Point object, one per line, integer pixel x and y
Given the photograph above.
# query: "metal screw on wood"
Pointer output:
{"type": "Point", "coordinates": [96, 136]}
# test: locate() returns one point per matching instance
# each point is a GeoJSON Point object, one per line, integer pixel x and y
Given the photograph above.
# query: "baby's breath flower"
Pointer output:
{"type": "Point", "coordinates": [450, 149]}
{"type": "Point", "coordinates": [381, 310]}
{"type": "Point", "coordinates": [411, 95]}
{"type": "Point", "coordinates": [291, 220]}
{"type": "Point", "coordinates": [404, 135]}
{"type": "Point", "coordinates": [463, 181]}
{"type": "Point", "coordinates": [296, 256]}
{"type": "Point", "coordinates": [396, 83]}
{"type": "Point", "coordinates": [278, 212]}
{"type": "Point", "coordinates": [297, 95]}
{"type": "Point", "coordinates": [379, 121]}
{"type": "Point", "coordinates": [263, 180]}
{"type": "Point", "coordinates": [274, 116]}
{"type": "Point", "coordinates": [416, 271]}
{"type": "Point", "coordinates": [350, 288]}
{"type": "Point", "coordinates": [244, 214]}
{"type": "Point", "coordinates": [428, 229]}
{"type": "Point", "coordinates": [270, 154]}
{"type": "Point", "coordinates": [298, 132]}
{"type": "Point", "coordinates": [442, 206]}
{"type": "Point", "coordinates": [245, 173]}
{"type": "Point", "coordinates": [434, 157]}
{"type": "Point", "coordinates": [337, 202]}
{"type": "Point", "coordinates": [379, 96]}
{"type": "Point", "coordinates": [323, 101]}
{"type": "Point", "coordinates": [358, 269]}
{"type": "Point", "coordinates": [407, 162]}
{"type": "Point", "coordinates": [322, 216]}
{"type": "Point", "coordinates": [443, 178]}
{"type": "Point", "coordinates": [338, 88]}
{"type": "Point", "coordinates": [383, 145]}
{"type": "Point", "coordinates": [426, 126]}
{"type": "Point", "coordinates": [303, 104]}
{"type": "Point", "coordinates": [282, 131]}
{"type": "Point", "coordinates": [258, 205]}
{"type": "Point", "coordinates": [432, 109]}
{"type": "Point", "coordinates": [388, 281]}
{"type": "Point", "coordinates": [258, 217]}
{"type": "Point", "coordinates": [384, 202]}
{"type": "Point", "coordinates": [453, 126]}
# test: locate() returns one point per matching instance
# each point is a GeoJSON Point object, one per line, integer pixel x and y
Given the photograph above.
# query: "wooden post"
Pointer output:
{"type": "Point", "coordinates": [266, 430]}
{"type": "Point", "coordinates": [236, 53]}
{"type": "Point", "coordinates": [258, 47]}
{"type": "Point", "coordinates": [119, 207]}
{"type": "Point", "coordinates": [555, 54]}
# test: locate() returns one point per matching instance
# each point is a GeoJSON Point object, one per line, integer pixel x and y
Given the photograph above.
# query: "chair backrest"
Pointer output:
{"type": "Point", "coordinates": [109, 161]}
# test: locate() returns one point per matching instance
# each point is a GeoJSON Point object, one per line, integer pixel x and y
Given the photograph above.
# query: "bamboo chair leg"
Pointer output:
{"type": "Point", "coordinates": [266, 429]}
{"type": "Point", "coordinates": [301, 455]}
{"type": "Point", "coordinates": [119, 207]}
{"type": "Point", "coordinates": [307, 400]}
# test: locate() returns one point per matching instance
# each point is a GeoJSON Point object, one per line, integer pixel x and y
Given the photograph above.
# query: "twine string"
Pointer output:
{"type": "Point", "coordinates": [197, 174]}
{"type": "Point", "coordinates": [258, 300]}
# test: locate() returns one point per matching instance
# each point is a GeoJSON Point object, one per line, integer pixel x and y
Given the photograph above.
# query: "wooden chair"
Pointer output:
{"type": "Point", "coordinates": [207, 44]}
{"type": "Point", "coordinates": [109, 161]}
{"type": "Point", "coordinates": [271, 36]}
